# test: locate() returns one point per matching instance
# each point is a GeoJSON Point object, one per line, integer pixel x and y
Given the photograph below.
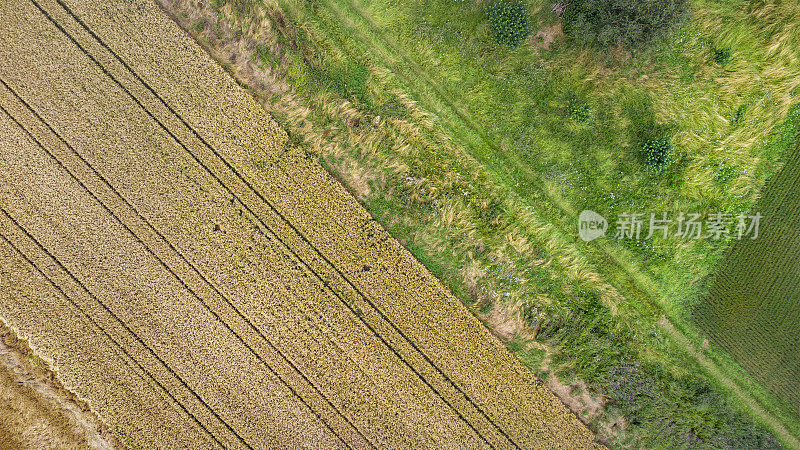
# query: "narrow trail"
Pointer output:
{"type": "Point", "coordinates": [714, 371]}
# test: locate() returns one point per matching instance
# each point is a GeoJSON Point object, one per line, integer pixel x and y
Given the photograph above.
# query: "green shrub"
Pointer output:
{"type": "Point", "coordinates": [737, 116]}
{"type": "Point", "coordinates": [723, 172]}
{"type": "Point", "coordinates": [578, 110]}
{"type": "Point", "coordinates": [631, 23]}
{"type": "Point", "coordinates": [657, 153]}
{"type": "Point", "coordinates": [721, 55]}
{"type": "Point", "coordinates": [508, 22]}
{"type": "Point", "coordinates": [649, 138]}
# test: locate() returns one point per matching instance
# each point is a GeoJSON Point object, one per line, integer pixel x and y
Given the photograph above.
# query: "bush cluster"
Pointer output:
{"type": "Point", "coordinates": [631, 23]}
{"type": "Point", "coordinates": [650, 139]}
{"type": "Point", "coordinates": [578, 110]}
{"type": "Point", "coordinates": [657, 153]}
{"type": "Point", "coordinates": [721, 55]}
{"type": "Point", "coordinates": [724, 172]}
{"type": "Point", "coordinates": [508, 22]}
{"type": "Point", "coordinates": [670, 411]}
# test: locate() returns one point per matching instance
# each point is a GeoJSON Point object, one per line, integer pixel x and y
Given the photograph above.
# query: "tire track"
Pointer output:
{"type": "Point", "coordinates": [303, 238]}
{"type": "Point", "coordinates": [639, 286]}
{"type": "Point", "coordinates": [636, 288]}
{"type": "Point", "coordinates": [103, 194]}
{"type": "Point", "coordinates": [361, 438]}
{"type": "Point", "coordinates": [149, 377]}
{"type": "Point", "coordinates": [71, 301]}
{"type": "Point", "coordinates": [103, 305]}
{"type": "Point", "coordinates": [263, 360]}
{"type": "Point", "coordinates": [401, 436]}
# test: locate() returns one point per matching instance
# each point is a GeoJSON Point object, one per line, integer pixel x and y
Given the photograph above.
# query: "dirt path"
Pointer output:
{"type": "Point", "coordinates": [638, 286]}
{"type": "Point", "coordinates": [746, 398]}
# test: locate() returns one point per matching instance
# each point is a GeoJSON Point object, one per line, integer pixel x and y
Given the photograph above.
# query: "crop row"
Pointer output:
{"type": "Point", "coordinates": [752, 309]}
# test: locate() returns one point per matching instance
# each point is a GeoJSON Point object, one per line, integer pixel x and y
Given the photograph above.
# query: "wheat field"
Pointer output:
{"type": "Point", "coordinates": [199, 282]}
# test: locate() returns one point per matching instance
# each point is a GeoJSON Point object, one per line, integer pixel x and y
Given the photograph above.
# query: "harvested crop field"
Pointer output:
{"type": "Point", "coordinates": [199, 282]}
{"type": "Point", "coordinates": [37, 412]}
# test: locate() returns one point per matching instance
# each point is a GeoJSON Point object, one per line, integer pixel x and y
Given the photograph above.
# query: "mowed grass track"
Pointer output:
{"type": "Point", "coordinates": [200, 282]}
{"type": "Point", "coordinates": [753, 307]}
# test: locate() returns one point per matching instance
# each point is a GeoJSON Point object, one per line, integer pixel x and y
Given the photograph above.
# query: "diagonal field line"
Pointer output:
{"type": "Point", "coordinates": [105, 333]}
{"type": "Point", "coordinates": [638, 286]}
{"type": "Point", "coordinates": [281, 216]}
{"type": "Point", "coordinates": [305, 239]}
{"type": "Point", "coordinates": [108, 310]}
{"type": "Point", "coordinates": [170, 270]}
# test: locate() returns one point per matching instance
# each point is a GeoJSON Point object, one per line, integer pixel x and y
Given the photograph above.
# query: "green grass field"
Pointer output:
{"type": "Point", "coordinates": [753, 307]}
{"type": "Point", "coordinates": [480, 157]}
{"type": "Point", "coordinates": [509, 110]}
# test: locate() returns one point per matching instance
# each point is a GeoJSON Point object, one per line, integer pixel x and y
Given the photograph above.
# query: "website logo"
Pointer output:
{"type": "Point", "coordinates": [591, 225]}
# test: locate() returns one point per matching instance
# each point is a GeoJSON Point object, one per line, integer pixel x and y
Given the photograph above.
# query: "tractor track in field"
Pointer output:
{"type": "Point", "coordinates": [104, 331]}
{"type": "Point", "coordinates": [284, 238]}
{"type": "Point", "coordinates": [263, 224]}
{"type": "Point", "coordinates": [169, 269]}
{"type": "Point", "coordinates": [177, 277]}
{"type": "Point", "coordinates": [224, 186]}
